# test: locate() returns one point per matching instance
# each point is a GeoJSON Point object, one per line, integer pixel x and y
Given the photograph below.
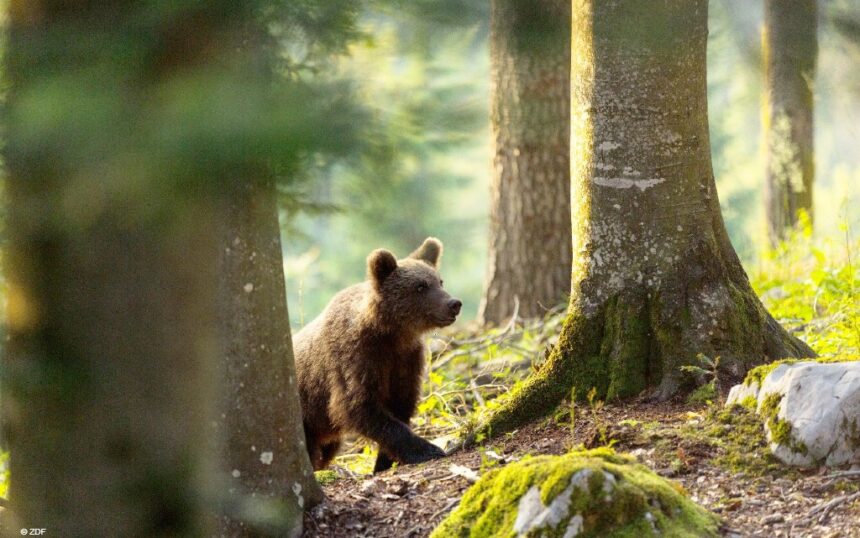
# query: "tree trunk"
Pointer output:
{"type": "Point", "coordinates": [655, 279]}
{"type": "Point", "coordinates": [110, 371]}
{"type": "Point", "coordinates": [530, 244]}
{"type": "Point", "coordinates": [111, 367]}
{"type": "Point", "coordinates": [790, 50]}
{"type": "Point", "coordinates": [264, 453]}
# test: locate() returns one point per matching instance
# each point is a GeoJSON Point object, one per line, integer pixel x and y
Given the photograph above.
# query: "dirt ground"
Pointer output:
{"type": "Point", "coordinates": [410, 501]}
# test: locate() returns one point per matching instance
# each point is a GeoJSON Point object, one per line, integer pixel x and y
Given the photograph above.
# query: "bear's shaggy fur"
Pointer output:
{"type": "Point", "coordinates": [360, 362]}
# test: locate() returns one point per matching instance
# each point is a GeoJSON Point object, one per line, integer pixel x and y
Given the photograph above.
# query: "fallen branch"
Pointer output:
{"type": "Point", "coordinates": [828, 506]}
{"type": "Point", "coordinates": [450, 504]}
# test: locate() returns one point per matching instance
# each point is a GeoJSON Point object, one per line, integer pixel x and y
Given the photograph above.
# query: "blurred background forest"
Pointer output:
{"type": "Point", "coordinates": [421, 71]}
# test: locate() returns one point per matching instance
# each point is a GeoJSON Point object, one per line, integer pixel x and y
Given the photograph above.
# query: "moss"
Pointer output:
{"type": "Point", "coordinates": [574, 363]}
{"type": "Point", "coordinates": [607, 509]}
{"type": "Point", "coordinates": [704, 394]}
{"type": "Point", "coordinates": [326, 477]}
{"type": "Point", "coordinates": [757, 374]}
{"type": "Point", "coordinates": [750, 402]}
{"type": "Point", "coordinates": [780, 430]}
{"type": "Point", "coordinates": [626, 346]}
{"type": "Point", "coordinates": [738, 433]}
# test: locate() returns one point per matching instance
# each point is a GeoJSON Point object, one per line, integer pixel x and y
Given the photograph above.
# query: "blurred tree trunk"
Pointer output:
{"type": "Point", "coordinates": [655, 279]}
{"type": "Point", "coordinates": [111, 363]}
{"type": "Point", "coordinates": [110, 370]}
{"type": "Point", "coordinates": [530, 243]}
{"type": "Point", "coordinates": [261, 421]}
{"type": "Point", "coordinates": [790, 51]}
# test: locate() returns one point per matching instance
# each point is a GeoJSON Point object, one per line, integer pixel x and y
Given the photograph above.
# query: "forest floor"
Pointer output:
{"type": "Point", "coordinates": [697, 446]}
{"type": "Point", "coordinates": [720, 456]}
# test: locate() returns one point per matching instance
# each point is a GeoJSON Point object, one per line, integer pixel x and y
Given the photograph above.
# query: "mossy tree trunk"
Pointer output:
{"type": "Point", "coordinates": [529, 250]}
{"type": "Point", "coordinates": [790, 52]}
{"type": "Point", "coordinates": [264, 454]}
{"type": "Point", "coordinates": [655, 279]}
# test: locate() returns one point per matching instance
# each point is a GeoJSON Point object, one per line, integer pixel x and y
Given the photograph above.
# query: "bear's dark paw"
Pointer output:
{"type": "Point", "coordinates": [427, 451]}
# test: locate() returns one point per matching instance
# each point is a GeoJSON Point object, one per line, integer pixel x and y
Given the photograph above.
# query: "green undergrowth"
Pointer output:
{"type": "Point", "coordinates": [326, 477]}
{"type": "Point", "coordinates": [812, 287]}
{"type": "Point", "coordinates": [732, 438]}
{"type": "Point", "coordinates": [589, 493]}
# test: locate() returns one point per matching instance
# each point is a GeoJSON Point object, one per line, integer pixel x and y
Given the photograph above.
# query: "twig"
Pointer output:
{"type": "Point", "coordinates": [485, 343]}
{"type": "Point", "coordinates": [843, 474]}
{"type": "Point", "coordinates": [826, 507]}
{"type": "Point", "coordinates": [450, 504]}
{"type": "Point", "coordinates": [477, 394]}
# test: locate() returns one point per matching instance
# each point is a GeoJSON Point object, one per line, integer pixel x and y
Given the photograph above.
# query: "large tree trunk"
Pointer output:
{"type": "Point", "coordinates": [264, 454]}
{"type": "Point", "coordinates": [790, 50]}
{"type": "Point", "coordinates": [111, 364]}
{"type": "Point", "coordinates": [110, 372]}
{"type": "Point", "coordinates": [655, 279]}
{"type": "Point", "coordinates": [529, 250]}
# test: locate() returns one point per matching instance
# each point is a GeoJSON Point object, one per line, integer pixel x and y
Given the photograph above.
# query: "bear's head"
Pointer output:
{"type": "Point", "coordinates": [409, 291]}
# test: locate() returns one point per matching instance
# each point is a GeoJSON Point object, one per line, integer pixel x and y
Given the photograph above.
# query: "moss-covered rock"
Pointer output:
{"type": "Point", "coordinates": [810, 409]}
{"type": "Point", "coordinates": [592, 493]}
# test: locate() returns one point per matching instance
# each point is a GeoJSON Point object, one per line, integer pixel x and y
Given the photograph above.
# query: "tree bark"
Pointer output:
{"type": "Point", "coordinates": [655, 279]}
{"type": "Point", "coordinates": [110, 371]}
{"type": "Point", "coordinates": [111, 366]}
{"type": "Point", "coordinates": [530, 244]}
{"type": "Point", "coordinates": [790, 50]}
{"type": "Point", "coordinates": [264, 454]}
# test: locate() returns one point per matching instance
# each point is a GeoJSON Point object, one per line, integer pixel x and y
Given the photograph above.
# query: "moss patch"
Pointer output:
{"type": "Point", "coordinates": [739, 434]}
{"type": "Point", "coordinates": [757, 374]}
{"type": "Point", "coordinates": [705, 394]}
{"type": "Point", "coordinates": [598, 492]}
{"type": "Point", "coordinates": [326, 477]}
{"type": "Point", "coordinates": [780, 430]}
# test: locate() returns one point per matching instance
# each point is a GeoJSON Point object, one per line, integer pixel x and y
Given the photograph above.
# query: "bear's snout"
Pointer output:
{"type": "Point", "coordinates": [455, 305]}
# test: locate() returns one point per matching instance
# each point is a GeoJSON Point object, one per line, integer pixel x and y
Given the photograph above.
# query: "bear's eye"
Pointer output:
{"type": "Point", "coordinates": [421, 287]}
{"type": "Point", "coordinates": [441, 282]}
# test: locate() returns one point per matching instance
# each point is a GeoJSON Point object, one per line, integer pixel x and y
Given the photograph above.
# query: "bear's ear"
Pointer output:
{"type": "Point", "coordinates": [430, 251]}
{"type": "Point", "coordinates": [380, 264]}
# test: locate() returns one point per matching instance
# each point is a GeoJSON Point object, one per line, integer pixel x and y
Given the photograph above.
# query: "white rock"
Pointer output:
{"type": "Point", "coordinates": [821, 402]}
{"type": "Point", "coordinates": [574, 526]}
{"type": "Point", "coordinates": [741, 392]}
{"type": "Point", "coordinates": [533, 515]}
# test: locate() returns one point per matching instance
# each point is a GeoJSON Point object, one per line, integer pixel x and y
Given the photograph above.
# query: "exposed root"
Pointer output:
{"type": "Point", "coordinates": [636, 342]}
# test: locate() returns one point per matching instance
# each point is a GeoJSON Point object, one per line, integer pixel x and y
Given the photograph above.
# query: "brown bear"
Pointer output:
{"type": "Point", "coordinates": [360, 362]}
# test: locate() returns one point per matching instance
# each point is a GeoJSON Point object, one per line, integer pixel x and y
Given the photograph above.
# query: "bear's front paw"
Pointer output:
{"type": "Point", "coordinates": [426, 452]}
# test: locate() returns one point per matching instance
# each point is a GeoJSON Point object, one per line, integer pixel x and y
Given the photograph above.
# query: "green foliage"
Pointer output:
{"type": "Point", "coordinates": [813, 288]}
{"type": "Point", "coordinates": [326, 477]}
{"type": "Point", "coordinates": [416, 175]}
{"type": "Point", "coordinates": [4, 474]}
{"type": "Point", "coordinates": [596, 406]}
{"type": "Point", "coordinates": [708, 368]}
